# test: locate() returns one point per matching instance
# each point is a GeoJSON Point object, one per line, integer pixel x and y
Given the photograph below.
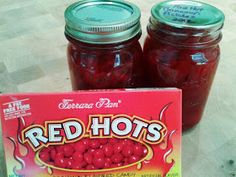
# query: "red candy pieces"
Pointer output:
{"type": "Point", "coordinates": [60, 162]}
{"type": "Point", "coordinates": [99, 163]}
{"type": "Point", "coordinates": [68, 150]}
{"type": "Point", "coordinates": [128, 151]}
{"type": "Point", "coordinates": [88, 157]}
{"type": "Point", "coordinates": [108, 150]}
{"type": "Point", "coordinates": [92, 154]}
{"type": "Point", "coordinates": [138, 150]}
{"type": "Point", "coordinates": [118, 148]}
{"type": "Point", "coordinates": [117, 158]}
{"type": "Point", "coordinates": [44, 156]}
{"type": "Point", "coordinates": [78, 157]}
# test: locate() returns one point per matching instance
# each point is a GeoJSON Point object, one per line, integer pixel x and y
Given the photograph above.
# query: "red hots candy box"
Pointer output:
{"type": "Point", "coordinates": [93, 133]}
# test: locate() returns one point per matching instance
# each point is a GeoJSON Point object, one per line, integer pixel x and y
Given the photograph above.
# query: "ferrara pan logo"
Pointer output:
{"type": "Point", "coordinates": [101, 103]}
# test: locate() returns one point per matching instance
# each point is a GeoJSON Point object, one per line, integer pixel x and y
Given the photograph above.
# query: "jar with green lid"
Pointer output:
{"type": "Point", "coordinates": [182, 50]}
{"type": "Point", "coordinates": [104, 50]}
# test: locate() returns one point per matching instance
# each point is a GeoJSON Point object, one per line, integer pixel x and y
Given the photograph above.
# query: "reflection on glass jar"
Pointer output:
{"type": "Point", "coordinates": [182, 51]}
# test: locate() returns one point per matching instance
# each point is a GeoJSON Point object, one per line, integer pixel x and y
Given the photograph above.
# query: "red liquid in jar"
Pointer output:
{"type": "Point", "coordinates": [94, 66]}
{"type": "Point", "coordinates": [169, 66]}
{"type": "Point", "coordinates": [103, 50]}
{"type": "Point", "coordinates": [182, 51]}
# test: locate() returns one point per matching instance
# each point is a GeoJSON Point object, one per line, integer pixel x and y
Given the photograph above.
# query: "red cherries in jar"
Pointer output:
{"type": "Point", "coordinates": [182, 50]}
{"type": "Point", "coordinates": [103, 49]}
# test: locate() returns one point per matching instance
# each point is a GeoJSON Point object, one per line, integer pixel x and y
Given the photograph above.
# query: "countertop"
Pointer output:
{"type": "Point", "coordinates": [33, 59]}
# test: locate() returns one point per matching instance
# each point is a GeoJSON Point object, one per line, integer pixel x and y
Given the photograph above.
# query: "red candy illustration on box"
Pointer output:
{"type": "Point", "coordinates": [108, 143]}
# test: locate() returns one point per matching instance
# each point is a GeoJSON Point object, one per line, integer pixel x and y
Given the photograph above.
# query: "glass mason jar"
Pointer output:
{"type": "Point", "coordinates": [182, 50]}
{"type": "Point", "coordinates": [104, 50]}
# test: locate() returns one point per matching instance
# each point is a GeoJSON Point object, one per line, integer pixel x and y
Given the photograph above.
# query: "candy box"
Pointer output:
{"type": "Point", "coordinates": [123, 133]}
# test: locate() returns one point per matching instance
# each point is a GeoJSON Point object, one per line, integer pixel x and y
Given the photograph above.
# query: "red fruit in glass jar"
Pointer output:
{"type": "Point", "coordinates": [60, 162]}
{"type": "Point", "coordinates": [116, 158]}
{"type": "Point", "coordinates": [68, 150]}
{"type": "Point", "coordinates": [108, 150]}
{"type": "Point", "coordinates": [98, 154]}
{"type": "Point", "coordinates": [133, 159]}
{"type": "Point", "coordinates": [122, 73]}
{"type": "Point", "coordinates": [94, 144]}
{"type": "Point", "coordinates": [78, 157]}
{"type": "Point", "coordinates": [88, 157]}
{"type": "Point", "coordinates": [111, 65]}
{"type": "Point", "coordinates": [127, 151]}
{"type": "Point", "coordinates": [44, 156]}
{"type": "Point", "coordinates": [99, 162]}
{"type": "Point", "coordinates": [117, 148]}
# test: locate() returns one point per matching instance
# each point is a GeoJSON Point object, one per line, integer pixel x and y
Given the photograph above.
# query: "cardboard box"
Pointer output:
{"type": "Point", "coordinates": [93, 133]}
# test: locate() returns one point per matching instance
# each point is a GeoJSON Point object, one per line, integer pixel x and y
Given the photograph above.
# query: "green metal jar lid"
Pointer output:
{"type": "Point", "coordinates": [102, 21]}
{"type": "Point", "coordinates": [187, 14]}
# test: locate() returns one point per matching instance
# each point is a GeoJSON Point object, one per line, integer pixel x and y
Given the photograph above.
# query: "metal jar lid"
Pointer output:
{"type": "Point", "coordinates": [102, 21]}
{"type": "Point", "coordinates": [187, 14]}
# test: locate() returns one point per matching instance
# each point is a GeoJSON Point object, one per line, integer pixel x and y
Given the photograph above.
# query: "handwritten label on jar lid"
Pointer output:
{"type": "Point", "coordinates": [183, 13]}
{"type": "Point", "coordinates": [188, 14]}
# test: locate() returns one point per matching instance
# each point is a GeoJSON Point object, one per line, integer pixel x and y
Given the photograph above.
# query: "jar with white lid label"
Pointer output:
{"type": "Point", "coordinates": [182, 50]}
